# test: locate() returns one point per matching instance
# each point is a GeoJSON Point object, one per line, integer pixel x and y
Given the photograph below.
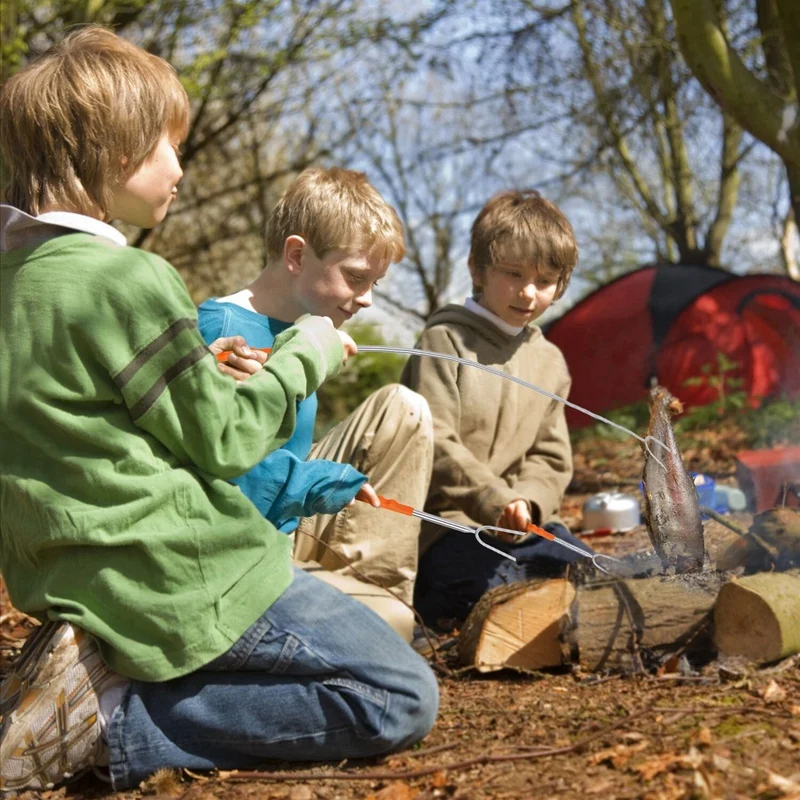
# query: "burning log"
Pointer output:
{"type": "Point", "coordinates": [772, 543]}
{"type": "Point", "coordinates": [758, 617]}
{"type": "Point", "coordinates": [635, 624]}
{"type": "Point", "coordinates": [619, 625]}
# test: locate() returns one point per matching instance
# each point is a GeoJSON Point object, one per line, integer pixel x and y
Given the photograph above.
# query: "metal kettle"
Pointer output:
{"type": "Point", "coordinates": [614, 510]}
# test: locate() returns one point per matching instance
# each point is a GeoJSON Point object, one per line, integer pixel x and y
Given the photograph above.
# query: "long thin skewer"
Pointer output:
{"type": "Point", "coordinates": [412, 351]}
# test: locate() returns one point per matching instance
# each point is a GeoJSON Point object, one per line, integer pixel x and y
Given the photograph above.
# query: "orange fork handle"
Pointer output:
{"type": "Point", "coordinates": [223, 356]}
{"type": "Point", "coordinates": [541, 532]}
{"type": "Point", "coordinates": [393, 505]}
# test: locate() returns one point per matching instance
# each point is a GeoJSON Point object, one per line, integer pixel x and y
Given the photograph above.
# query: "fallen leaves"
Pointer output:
{"type": "Point", "coordinates": [789, 788]}
{"type": "Point", "coordinates": [619, 755]}
{"type": "Point", "coordinates": [772, 693]}
{"type": "Point", "coordinates": [655, 765]}
{"type": "Point", "coordinates": [395, 791]}
{"type": "Point", "coordinates": [163, 782]}
{"type": "Point", "coordinates": [703, 737]}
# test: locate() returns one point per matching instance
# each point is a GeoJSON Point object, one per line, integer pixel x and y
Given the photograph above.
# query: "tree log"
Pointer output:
{"type": "Point", "coordinates": [637, 624]}
{"type": "Point", "coordinates": [519, 625]}
{"type": "Point", "coordinates": [758, 617]}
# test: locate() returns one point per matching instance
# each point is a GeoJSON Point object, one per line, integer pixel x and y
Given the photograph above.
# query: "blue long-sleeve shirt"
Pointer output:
{"type": "Point", "coordinates": [284, 486]}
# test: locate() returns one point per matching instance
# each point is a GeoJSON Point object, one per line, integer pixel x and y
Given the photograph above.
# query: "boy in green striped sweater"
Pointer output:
{"type": "Point", "coordinates": [176, 632]}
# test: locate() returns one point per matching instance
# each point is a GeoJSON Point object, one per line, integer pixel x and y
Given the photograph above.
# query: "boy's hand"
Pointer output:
{"type": "Point", "coordinates": [517, 517]}
{"type": "Point", "coordinates": [243, 361]}
{"type": "Point", "coordinates": [350, 347]}
{"type": "Point", "coordinates": [368, 495]}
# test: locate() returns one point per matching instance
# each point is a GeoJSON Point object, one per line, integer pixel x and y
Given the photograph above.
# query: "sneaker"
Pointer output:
{"type": "Point", "coordinates": [17, 681]}
{"type": "Point", "coordinates": [422, 642]}
{"type": "Point", "coordinates": [51, 727]}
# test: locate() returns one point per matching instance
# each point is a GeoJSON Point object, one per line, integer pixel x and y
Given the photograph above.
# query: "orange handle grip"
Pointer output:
{"type": "Point", "coordinates": [393, 505]}
{"type": "Point", "coordinates": [223, 356]}
{"type": "Point", "coordinates": [541, 532]}
{"type": "Point", "coordinates": [388, 503]}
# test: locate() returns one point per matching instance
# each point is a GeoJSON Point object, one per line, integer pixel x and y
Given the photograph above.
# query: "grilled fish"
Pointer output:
{"type": "Point", "coordinates": [671, 507]}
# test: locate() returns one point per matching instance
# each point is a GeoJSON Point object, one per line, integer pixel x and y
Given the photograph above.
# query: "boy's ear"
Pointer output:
{"type": "Point", "coordinates": [293, 253]}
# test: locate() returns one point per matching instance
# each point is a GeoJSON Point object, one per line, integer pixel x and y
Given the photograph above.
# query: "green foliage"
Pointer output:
{"type": "Point", "coordinates": [361, 376]}
{"type": "Point", "coordinates": [13, 46]}
{"type": "Point", "coordinates": [775, 422]}
{"type": "Point", "coordinates": [731, 399]}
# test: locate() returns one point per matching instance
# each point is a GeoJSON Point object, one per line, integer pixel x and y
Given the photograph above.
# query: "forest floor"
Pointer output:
{"type": "Point", "coordinates": [726, 731]}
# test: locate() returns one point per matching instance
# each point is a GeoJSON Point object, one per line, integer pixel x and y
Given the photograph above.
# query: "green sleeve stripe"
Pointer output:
{"type": "Point", "coordinates": [158, 365]}
{"type": "Point", "coordinates": [149, 398]}
{"type": "Point", "coordinates": [154, 347]}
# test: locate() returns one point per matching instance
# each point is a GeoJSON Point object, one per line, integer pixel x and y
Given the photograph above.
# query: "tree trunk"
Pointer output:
{"type": "Point", "coordinates": [789, 245]}
{"type": "Point", "coordinates": [758, 617]}
{"type": "Point", "coordinates": [726, 78]}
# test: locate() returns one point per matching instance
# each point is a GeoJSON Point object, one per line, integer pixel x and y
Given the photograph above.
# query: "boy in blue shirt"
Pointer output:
{"type": "Point", "coordinates": [331, 237]}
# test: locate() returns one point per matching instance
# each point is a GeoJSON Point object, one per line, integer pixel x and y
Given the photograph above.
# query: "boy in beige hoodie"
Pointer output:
{"type": "Point", "coordinates": [502, 453]}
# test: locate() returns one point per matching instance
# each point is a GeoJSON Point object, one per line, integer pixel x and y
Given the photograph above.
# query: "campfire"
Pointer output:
{"type": "Point", "coordinates": [689, 609]}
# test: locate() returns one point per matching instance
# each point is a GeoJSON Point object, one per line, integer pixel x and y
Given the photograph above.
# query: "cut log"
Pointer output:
{"type": "Point", "coordinates": [637, 624]}
{"type": "Point", "coordinates": [758, 617]}
{"type": "Point", "coordinates": [519, 626]}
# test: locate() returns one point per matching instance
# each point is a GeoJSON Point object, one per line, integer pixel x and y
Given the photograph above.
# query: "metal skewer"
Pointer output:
{"type": "Point", "coordinates": [413, 351]}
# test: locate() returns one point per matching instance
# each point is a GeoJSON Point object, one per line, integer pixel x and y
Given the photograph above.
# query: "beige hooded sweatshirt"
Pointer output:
{"type": "Point", "coordinates": [495, 441]}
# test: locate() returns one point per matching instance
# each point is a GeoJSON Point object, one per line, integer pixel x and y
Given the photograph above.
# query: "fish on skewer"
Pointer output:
{"type": "Point", "coordinates": [671, 507]}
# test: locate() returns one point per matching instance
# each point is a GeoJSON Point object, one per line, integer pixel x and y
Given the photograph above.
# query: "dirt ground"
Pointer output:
{"type": "Point", "coordinates": [728, 731]}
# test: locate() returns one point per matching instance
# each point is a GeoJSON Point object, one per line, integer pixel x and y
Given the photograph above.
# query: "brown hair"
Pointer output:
{"type": "Point", "coordinates": [523, 227]}
{"type": "Point", "coordinates": [76, 122]}
{"type": "Point", "coordinates": [336, 209]}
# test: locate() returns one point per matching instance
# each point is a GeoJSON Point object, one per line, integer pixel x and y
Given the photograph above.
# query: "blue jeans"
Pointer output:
{"type": "Point", "coordinates": [318, 677]}
{"type": "Point", "coordinates": [456, 571]}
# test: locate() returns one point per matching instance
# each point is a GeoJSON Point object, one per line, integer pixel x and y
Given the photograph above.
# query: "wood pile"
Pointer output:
{"type": "Point", "coordinates": [641, 623]}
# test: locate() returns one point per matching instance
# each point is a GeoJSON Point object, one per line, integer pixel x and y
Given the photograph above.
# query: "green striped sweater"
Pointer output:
{"type": "Point", "coordinates": [117, 435]}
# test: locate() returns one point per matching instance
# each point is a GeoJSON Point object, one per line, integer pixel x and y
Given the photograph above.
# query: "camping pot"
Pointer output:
{"type": "Point", "coordinates": [614, 510]}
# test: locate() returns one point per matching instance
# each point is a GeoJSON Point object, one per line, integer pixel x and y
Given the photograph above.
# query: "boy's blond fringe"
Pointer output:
{"type": "Point", "coordinates": [336, 209]}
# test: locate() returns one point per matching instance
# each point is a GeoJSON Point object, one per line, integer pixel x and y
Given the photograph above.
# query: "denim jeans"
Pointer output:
{"type": "Point", "coordinates": [318, 677]}
{"type": "Point", "coordinates": [456, 571]}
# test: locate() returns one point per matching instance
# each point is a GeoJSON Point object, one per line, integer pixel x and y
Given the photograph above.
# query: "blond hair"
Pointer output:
{"type": "Point", "coordinates": [521, 227]}
{"type": "Point", "coordinates": [76, 122]}
{"type": "Point", "coordinates": [336, 209]}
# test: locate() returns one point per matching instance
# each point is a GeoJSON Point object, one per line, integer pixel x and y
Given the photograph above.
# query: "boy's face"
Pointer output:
{"type": "Point", "coordinates": [517, 293]}
{"type": "Point", "coordinates": [146, 195]}
{"type": "Point", "coordinates": [338, 285]}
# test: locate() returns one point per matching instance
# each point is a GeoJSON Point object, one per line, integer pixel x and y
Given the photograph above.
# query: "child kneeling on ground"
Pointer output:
{"type": "Point", "coordinates": [176, 631]}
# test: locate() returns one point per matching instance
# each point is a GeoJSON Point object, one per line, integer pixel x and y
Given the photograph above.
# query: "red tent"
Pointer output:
{"type": "Point", "coordinates": [664, 323]}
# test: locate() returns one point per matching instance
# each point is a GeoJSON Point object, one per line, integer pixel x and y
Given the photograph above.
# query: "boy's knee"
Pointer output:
{"type": "Point", "coordinates": [407, 409]}
{"type": "Point", "coordinates": [413, 709]}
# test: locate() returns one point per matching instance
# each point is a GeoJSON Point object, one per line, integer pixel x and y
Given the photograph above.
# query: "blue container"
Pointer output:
{"type": "Point", "coordinates": [705, 489]}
